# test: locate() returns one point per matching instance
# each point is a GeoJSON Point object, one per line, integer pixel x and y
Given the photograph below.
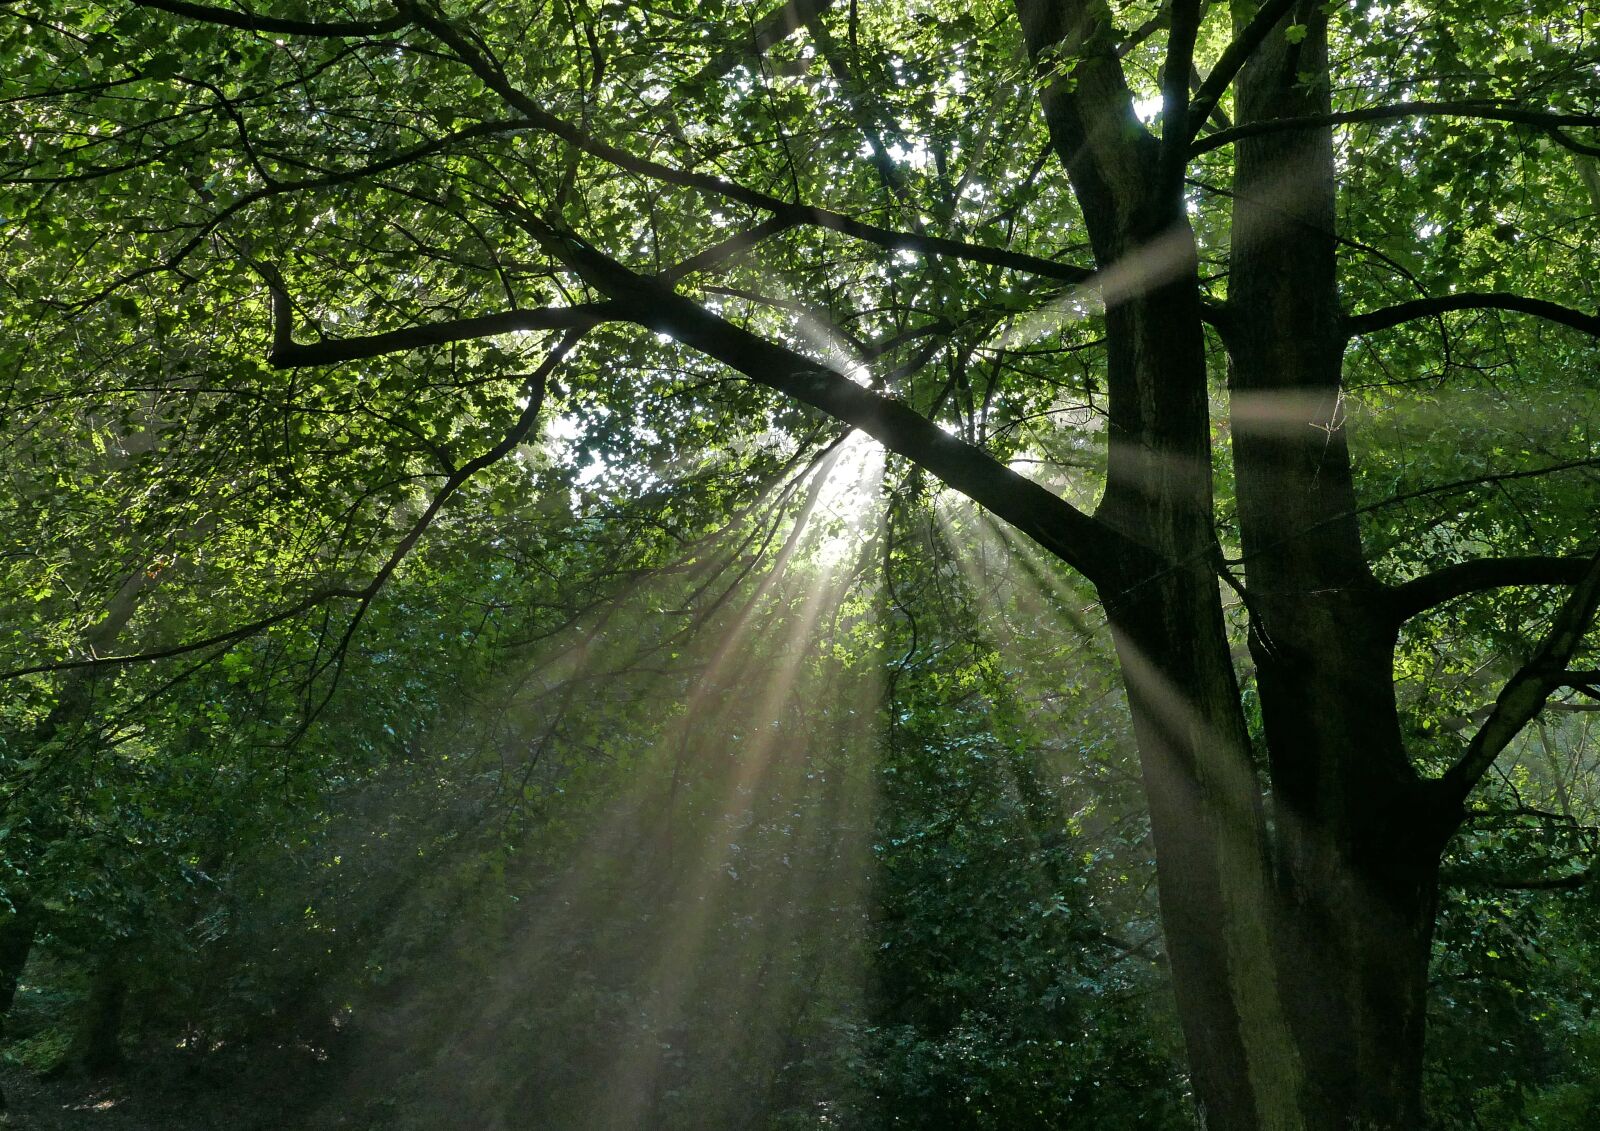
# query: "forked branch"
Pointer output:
{"type": "Point", "coordinates": [1105, 557]}
{"type": "Point", "coordinates": [1233, 59]}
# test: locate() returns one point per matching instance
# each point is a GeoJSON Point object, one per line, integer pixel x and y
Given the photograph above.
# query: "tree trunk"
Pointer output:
{"type": "Point", "coordinates": [1299, 938]}
{"type": "Point", "coordinates": [1215, 886]}
{"type": "Point", "coordinates": [1214, 877]}
{"type": "Point", "coordinates": [16, 943]}
{"type": "Point", "coordinates": [97, 1045]}
{"type": "Point", "coordinates": [1357, 833]}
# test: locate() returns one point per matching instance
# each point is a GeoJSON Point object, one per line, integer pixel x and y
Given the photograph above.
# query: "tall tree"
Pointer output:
{"type": "Point", "coordinates": [858, 210]}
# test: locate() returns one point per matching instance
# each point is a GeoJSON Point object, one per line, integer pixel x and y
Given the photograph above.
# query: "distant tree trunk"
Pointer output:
{"type": "Point", "coordinates": [69, 724]}
{"type": "Point", "coordinates": [16, 943]}
{"type": "Point", "coordinates": [97, 1044]}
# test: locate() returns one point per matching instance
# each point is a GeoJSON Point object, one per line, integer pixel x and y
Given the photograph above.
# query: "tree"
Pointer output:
{"type": "Point", "coordinates": [1282, 213]}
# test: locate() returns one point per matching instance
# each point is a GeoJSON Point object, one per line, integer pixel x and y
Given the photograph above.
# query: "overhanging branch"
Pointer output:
{"type": "Point", "coordinates": [289, 354]}
{"type": "Point", "coordinates": [1432, 589]}
{"type": "Point", "coordinates": [734, 245]}
{"type": "Point", "coordinates": [1487, 111]}
{"type": "Point", "coordinates": [1094, 549]}
{"type": "Point", "coordinates": [249, 21]}
{"type": "Point", "coordinates": [1585, 682]}
{"type": "Point", "coordinates": [1389, 316]}
{"type": "Point", "coordinates": [793, 212]}
{"type": "Point", "coordinates": [1525, 693]}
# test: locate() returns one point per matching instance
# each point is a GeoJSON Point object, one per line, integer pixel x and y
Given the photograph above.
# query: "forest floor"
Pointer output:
{"type": "Point", "coordinates": [265, 1086]}
{"type": "Point", "coordinates": [218, 1094]}
{"type": "Point", "coordinates": [112, 1104]}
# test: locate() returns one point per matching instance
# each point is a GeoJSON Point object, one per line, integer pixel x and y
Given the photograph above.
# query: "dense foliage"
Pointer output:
{"type": "Point", "coordinates": [460, 666]}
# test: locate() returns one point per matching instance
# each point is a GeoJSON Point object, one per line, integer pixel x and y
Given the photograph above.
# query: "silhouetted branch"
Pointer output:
{"type": "Point", "coordinates": [1570, 882]}
{"type": "Point", "coordinates": [720, 253]}
{"type": "Point", "coordinates": [1425, 592]}
{"type": "Point", "coordinates": [1385, 317]}
{"type": "Point", "coordinates": [289, 354]}
{"type": "Point", "coordinates": [1525, 693]}
{"type": "Point", "coordinates": [1585, 683]}
{"type": "Point", "coordinates": [1096, 550]}
{"type": "Point", "coordinates": [1232, 60]}
{"type": "Point", "coordinates": [1479, 481]}
{"type": "Point", "coordinates": [249, 21]}
{"type": "Point", "coordinates": [1483, 110]}
{"type": "Point", "coordinates": [534, 391]}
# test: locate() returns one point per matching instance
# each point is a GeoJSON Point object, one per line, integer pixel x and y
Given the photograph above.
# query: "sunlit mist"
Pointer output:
{"type": "Point", "coordinates": [669, 942]}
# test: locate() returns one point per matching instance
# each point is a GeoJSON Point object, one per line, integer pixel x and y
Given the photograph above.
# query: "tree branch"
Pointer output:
{"type": "Point", "coordinates": [289, 354]}
{"type": "Point", "coordinates": [534, 388]}
{"type": "Point", "coordinates": [772, 29]}
{"type": "Point", "coordinates": [1588, 682]}
{"type": "Point", "coordinates": [1385, 317]}
{"type": "Point", "coordinates": [1233, 58]}
{"type": "Point", "coordinates": [1488, 111]}
{"type": "Point", "coordinates": [1525, 693]}
{"type": "Point", "coordinates": [1175, 132]}
{"type": "Point", "coordinates": [1097, 551]}
{"type": "Point", "coordinates": [1569, 882]}
{"type": "Point", "coordinates": [720, 253]}
{"type": "Point", "coordinates": [282, 188]}
{"type": "Point", "coordinates": [232, 636]}
{"type": "Point", "coordinates": [249, 21]}
{"type": "Point", "coordinates": [1420, 594]}
{"type": "Point", "coordinates": [1094, 549]}
{"type": "Point", "coordinates": [1479, 481]}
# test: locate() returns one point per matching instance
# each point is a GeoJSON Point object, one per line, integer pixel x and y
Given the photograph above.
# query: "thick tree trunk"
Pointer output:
{"type": "Point", "coordinates": [1298, 940]}
{"type": "Point", "coordinates": [1215, 879]}
{"type": "Point", "coordinates": [1214, 882]}
{"type": "Point", "coordinates": [1357, 833]}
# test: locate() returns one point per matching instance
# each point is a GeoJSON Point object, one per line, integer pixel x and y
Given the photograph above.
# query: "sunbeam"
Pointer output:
{"type": "Point", "coordinates": [710, 900]}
